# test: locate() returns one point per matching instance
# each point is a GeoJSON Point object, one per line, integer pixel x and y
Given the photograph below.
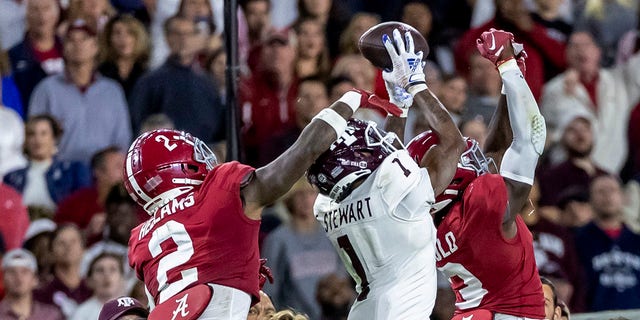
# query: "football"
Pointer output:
{"type": "Point", "coordinates": [372, 48]}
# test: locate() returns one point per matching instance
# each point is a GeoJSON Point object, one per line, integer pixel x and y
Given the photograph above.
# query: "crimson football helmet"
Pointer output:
{"type": "Point", "coordinates": [355, 155]}
{"type": "Point", "coordinates": [164, 164]}
{"type": "Point", "coordinates": [472, 164]}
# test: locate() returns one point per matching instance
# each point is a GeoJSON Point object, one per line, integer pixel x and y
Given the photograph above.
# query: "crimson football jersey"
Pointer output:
{"type": "Point", "coordinates": [486, 270]}
{"type": "Point", "coordinates": [201, 237]}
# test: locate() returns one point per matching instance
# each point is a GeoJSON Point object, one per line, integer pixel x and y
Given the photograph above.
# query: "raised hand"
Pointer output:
{"type": "Point", "coordinates": [407, 64]}
{"type": "Point", "coordinates": [499, 46]}
{"type": "Point", "coordinates": [265, 273]}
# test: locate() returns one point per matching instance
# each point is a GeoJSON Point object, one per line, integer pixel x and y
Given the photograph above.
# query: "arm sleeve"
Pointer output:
{"type": "Point", "coordinates": [39, 102]}
{"type": "Point", "coordinates": [529, 130]}
{"type": "Point", "coordinates": [122, 130]}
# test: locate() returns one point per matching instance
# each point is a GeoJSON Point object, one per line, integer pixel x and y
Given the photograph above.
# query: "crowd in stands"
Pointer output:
{"type": "Point", "coordinates": [82, 78]}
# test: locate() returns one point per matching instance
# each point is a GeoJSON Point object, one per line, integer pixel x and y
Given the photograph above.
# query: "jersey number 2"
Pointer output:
{"type": "Point", "coordinates": [176, 231]}
{"type": "Point", "coordinates": [345, 244]}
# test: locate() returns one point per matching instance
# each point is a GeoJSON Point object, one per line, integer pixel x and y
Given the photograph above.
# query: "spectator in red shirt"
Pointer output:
{"type": "Point", "coordinates": [85, 207]}
{"type": "Point", "coordinates": [15, 219]}
{"type": "Point", "coordinates": [546, 56]}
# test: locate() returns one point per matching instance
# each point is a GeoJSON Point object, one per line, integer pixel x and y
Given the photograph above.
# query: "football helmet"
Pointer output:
{"type": "Point", "coordinates": [164, 164]}
{"type": "Point", "coordinates": [355, 155]}
{"type": "Point", "coordinates": [472, 164]}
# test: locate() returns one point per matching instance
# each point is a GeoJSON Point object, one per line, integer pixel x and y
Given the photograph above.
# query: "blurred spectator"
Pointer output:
{"type": "Point", "coordinates": [262, 310]}
{"type": "Point", "coordinates": [420, 16]}
{"type": "Point", "coordinates": [484, 89]}
{"type": "Point", "coordinates": [258, 22]}
{"type": "Point", "coordinates": [122, 216]}
{"type": "Point", "coordinates": [96, 12]}
{"type": "Point", "coordinates": [339, 85]}
{"type": "Point", "coordinates": [334, 16]}
{"type": "Point", "coordinates": [288, 314]}
{"type": "Point", "coordinates": [608, 21]}
{"type": "Point", "coordinates": [156, 121]}
{"type": "Point", "coordinates": [299, 254]}
{"type": "Point", "coordinates": [632, 167]}
{"type": "Point", "coordinates": [359, 24]}
{"type": "Point", "coordinates": [39, 54]}
{"type": "Point", "coordinates": [19, 275]}
{"type": "Point", "coordinates": [551, 308]}
{"type": "Point", "coordinates": [607, 94]}
{"type": "Point", "coordinates": [555, 252]}
{"type": "Point", "coordinates": [268, 96]}
{"type": "Point", "coordinates": [575, 208]}
{"type": "Point", "coordinates": [11, 25]}
{"type": "Point", "coordinates": [125, 51]}
{"type": "Point", "coordinates": [179, 89]}
{"type": "Point", "coordinates": [545, 54]}
{"type": "Point", "coordinates": [67, 289]}
{"type": "Point", "coordinates": [9, 94]}
{"type": "Point", "coordinates": [37, 240]}
{"type": "Point", "coordinates": [105, 277]}
{"type": "Point", "coordinates": [335, 295]}
{"type": "Point", "coordinates": [15, 220]}
{"type": "Point", "coordinates": [201, 13]}
{"type": "Point", "coordinates": [475, 129]}
{"type": "Point", "coordinates": [11, 140]}
{"type": "Point", "coordinates": [123, 308]}
{"type": "Point", "coordinates": [312, 54]}
{"type": "Point", "coordinates": [547, 13]}
{"type": "Point", "coordinates": [609, 250]}
{"type": "Point", "coordinates": [92, 109]}
{"type": "Point", "coordinates": [576, 129]}
{"type": "Point", "coordinates": [45, 181]}
{"type": "Point", "coordinates": [312, 97]}
{"type": "Point", "coordinates": [86, 207]}
{"type": "Point", "coordinates": [358, 69]}
{"type": "Point", "coordinates": [453, 95]}
{"type": "Point", "coordinates": [283, 13]}
{"type": "Point", "coordinates": [216, 65]}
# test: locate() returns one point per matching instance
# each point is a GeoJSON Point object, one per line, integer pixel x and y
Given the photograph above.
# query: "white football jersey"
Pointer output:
{"type": "Point", "coordinates": [386, 238]}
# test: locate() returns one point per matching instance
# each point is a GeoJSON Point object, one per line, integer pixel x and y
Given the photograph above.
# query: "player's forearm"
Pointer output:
{"type": "Point", "coordinates": [440, 121]}
{"type": "Point", "coordinates": [500, 136]}
{"type": "Point", "coordinates": [527, 125]}
{"type": "Point", "coordinates": [395, 125]}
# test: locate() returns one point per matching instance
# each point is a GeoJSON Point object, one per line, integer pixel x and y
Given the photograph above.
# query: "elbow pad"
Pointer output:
{"type": "Point", "coordinates": [528, 126]}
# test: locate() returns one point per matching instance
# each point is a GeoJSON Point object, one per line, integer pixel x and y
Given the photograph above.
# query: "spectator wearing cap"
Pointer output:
{"type": "Point", "coordinates": [39, 54]}
{"type": "Point", "coordinates": [91, 108]}
{"type": "Point", "coordinates": [38, 241]}
{"type": "Point", "coordinates": [180, 88]}
{"type": "Point", "coordinates": [15, 219]}
{"type": "Point", "coordinates": [268, 96]}
{"type": "Point", "coordinates": [45, 181]}
{"type": "Point", "coordinates": [106, 278]}
{"type": "Point", "coordinates": [576, 142]}
{"type": "Point", "coordinates": [608, 94]}
{"type": "Point", "coordinates": [123, 308]}
{"type": "Point", "coordinates": [19, 275]}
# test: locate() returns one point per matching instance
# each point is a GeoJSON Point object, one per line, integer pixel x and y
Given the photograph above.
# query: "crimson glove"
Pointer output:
{"type": "Point", "coordinates": [265, 273]}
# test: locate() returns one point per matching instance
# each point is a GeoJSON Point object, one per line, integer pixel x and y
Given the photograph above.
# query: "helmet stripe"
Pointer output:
{"type": "Point", "coordinates": [132, 180]}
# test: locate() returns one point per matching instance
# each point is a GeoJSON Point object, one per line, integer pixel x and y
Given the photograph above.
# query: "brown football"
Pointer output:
{"type": "Point", "coordinates": [372, 48]}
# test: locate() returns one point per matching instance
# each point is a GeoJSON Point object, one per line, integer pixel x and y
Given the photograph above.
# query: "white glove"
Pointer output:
{"type": "Point", "coordinates": [408, 66]}
{"type": "Point", "coordinates": [400, 97]}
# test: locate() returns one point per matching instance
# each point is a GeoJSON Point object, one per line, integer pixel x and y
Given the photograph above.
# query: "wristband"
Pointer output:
{"type": "Point", "coordinates": [506, 65]}
{"type": "Point", "coordinates": [415, 88]}
{"type": "Point", "coordinates": [352, 99]}
{"type": "Point", "coordinates": [404, 114]}
{"type": "Point", "coordinates": [332, 118]}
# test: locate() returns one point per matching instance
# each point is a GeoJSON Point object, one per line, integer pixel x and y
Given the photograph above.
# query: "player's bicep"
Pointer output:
{"type": "Point", "coordinates": [441, 166]}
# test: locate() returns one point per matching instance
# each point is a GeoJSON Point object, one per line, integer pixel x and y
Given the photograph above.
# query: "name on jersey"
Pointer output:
{"type": "Point", "coordinates": [347, 213]}
{"type": "Point", "coordinates": [446, 249]}
{"type": "Point", "coordinates": [168, 209]}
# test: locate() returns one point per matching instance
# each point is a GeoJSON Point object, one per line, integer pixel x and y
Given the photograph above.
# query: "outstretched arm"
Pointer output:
{"type": "Point", "coordinates": [527, 124]}
{"type": "Point", "coordinates": [273, 180]}
{"type": "Point", "coordinates": [407, 73]}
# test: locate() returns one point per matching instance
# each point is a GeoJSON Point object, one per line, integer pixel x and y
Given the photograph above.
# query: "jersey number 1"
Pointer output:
{"type": "Point", "coordinates": [176, 231]}
{"type": "Point", "coordinates": [345, 244]}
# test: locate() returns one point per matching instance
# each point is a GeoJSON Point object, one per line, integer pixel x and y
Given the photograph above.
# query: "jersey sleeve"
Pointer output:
{"type": "Point", "coordinates": [484, 204]}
